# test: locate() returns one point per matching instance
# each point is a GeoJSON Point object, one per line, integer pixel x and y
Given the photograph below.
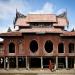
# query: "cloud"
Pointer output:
{"type": "Point", "coordinates": [8, 11]}
{"type": "Point", "coordinates": [46, 9]}
{"type": "Point", "coordinates": [10, 7]}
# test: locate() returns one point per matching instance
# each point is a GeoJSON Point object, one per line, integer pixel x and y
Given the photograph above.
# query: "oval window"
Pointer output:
{"type": "Point", "coordinates": [33, 46]}
{"type": "Point", "coordinates": [48, 46]}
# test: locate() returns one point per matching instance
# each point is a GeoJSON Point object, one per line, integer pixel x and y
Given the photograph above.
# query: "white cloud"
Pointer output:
{"type": "Point", "coordinates": [46, 9]}
{"type": "Point", "coordinates": [8, 12]}
{"type": "Point", "coordinates": [11, 6]}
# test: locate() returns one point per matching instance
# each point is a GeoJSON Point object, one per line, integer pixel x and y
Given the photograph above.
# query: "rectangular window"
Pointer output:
{"type": "Point", "coordinates": [42, 25]}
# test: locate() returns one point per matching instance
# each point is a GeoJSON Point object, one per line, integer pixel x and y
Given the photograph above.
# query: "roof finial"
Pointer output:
{"type": "Point", "coordinates": [18, 15]}
{"type": "Point", "coordinates": [9, 29]}
{"type": "Point", "coordinates": [73, 30]}
{"type": "Point", "coordinates": [63, 14]}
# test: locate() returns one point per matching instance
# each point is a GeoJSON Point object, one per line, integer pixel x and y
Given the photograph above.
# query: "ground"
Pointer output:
{"type": "Point", "coordinates": [37, 72]}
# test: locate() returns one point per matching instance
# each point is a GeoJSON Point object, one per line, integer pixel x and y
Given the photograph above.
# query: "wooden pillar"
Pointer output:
{"type": "Point", "coordinates": [66, 62]}
{"type": "Point", "coordinates": [27, 63]}
{"type": "Point", "coordinates": [8, 63]}
{"type": "Point", "coordinates": [74, 62]}
{"type": "Point", "coordinates": [16, 62]}
{"type": "Point", "coordinates": [56, 62]}
{"type": "Point", "coordinates": [41, 62]}
{"type": "Point", "coordinates": [4, 63]}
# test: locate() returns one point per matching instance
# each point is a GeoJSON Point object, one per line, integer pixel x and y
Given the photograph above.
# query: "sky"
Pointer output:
{"type": "Point", "coordinates": [8, 10]}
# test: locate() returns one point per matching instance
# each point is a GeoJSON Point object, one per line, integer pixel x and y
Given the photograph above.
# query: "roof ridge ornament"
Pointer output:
{"type": "Point", "coordinates": [9, 29]}
{"type": "Point", "coordinates": [63, 14]}
{"type": "Point", "coordinates": [73, 30]}
{"type": "Point", "coordinates": [18, 15]}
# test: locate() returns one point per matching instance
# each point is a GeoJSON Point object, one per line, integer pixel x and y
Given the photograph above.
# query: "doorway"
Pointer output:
{"type": "Point", "coordinates": [35, 62]}
{"type": "Point", "coordinates": [61, 62]}
{"type": "Point", "coordinates": [12, 62]}
{"type": "Point", "coordinates": [70, 62]}
{"type": "Point", "coordinates": [21, 62]}
{"type": "Point", "coordinates": [46, 61]}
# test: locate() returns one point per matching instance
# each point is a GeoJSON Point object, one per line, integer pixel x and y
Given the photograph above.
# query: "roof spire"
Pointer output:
{"type": "Point", "coordinates": [9, 29]}
{"type": "Point", "coordinates": [18, 15]}
{"type": "Point", "coordinates": [73, 30]}
{"type": "Point", "coordinates": [63, 14]}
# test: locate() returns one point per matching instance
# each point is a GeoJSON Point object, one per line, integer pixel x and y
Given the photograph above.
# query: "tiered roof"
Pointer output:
{"type": "Point", "coordinates": [58, 21]}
